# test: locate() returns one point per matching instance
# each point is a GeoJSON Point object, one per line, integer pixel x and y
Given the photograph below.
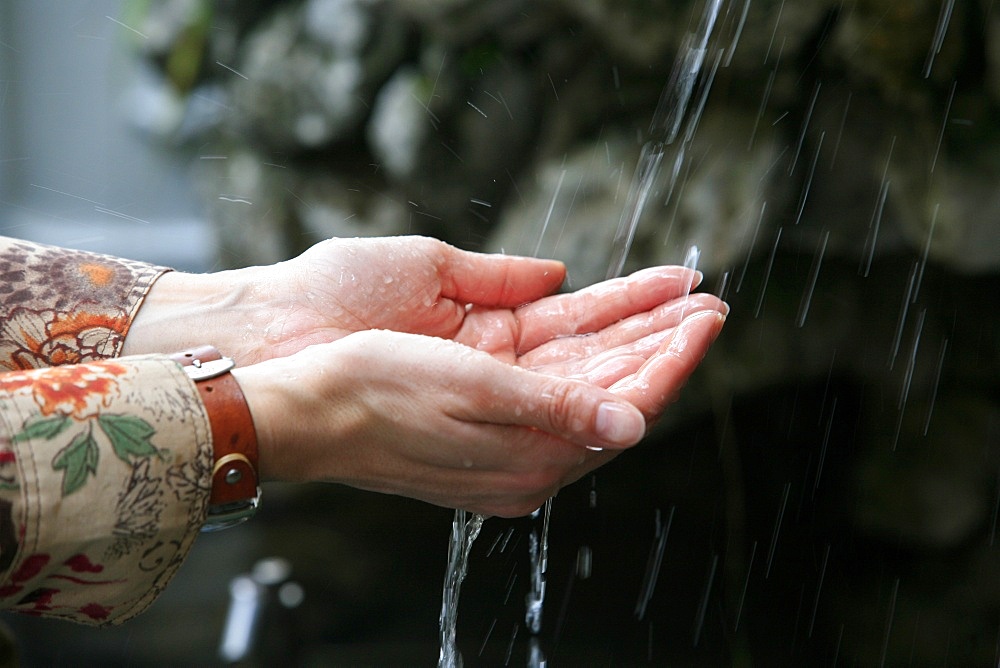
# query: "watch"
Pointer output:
{"type": "Point", "coordinates": [235, 492]}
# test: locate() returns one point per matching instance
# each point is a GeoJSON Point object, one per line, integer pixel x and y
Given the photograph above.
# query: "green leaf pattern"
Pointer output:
{"type": "Point", "coordinates": [77, 460]}
{"type": "Point", "coordinates": [45, 428]}
{"type": "Point", "coordinates": [130, 437]}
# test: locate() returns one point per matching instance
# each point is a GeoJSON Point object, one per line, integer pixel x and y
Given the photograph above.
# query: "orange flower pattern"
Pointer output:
{"type": "Point", "coordinates": [78, 391]}
{"type": "Point", "coordinates": [65, 307]}
{"type": "Point", "coordinates": [105, 464]}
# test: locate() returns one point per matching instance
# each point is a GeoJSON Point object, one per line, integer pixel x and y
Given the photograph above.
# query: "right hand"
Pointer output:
{"type": "Point", "coordinates": [438, 421]}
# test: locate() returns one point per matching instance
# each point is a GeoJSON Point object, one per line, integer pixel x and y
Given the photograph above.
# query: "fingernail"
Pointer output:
{"type": "Point", "coordinates": [720, 321]}
{"type": "Point", "coordinates": [620, 425]}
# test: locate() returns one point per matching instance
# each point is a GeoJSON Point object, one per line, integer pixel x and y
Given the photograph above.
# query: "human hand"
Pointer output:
{"type": "Point", "coordinates": [392, 412]}
{"type": "Point", "coordinates": [337, 287]}
{"type": "Point", "coordinates": [435, 420]}
{"type": "Point", "coordinates": [407, 284]}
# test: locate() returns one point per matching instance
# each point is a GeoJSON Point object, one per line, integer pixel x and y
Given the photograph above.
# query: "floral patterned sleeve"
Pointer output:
{"type": "Point", "coordinates": [60, 306]}
{"type": "Point", "coordinates": [105, 464]}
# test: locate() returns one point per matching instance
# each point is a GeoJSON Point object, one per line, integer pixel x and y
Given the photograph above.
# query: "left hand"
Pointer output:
{"type": "Point", "coordinates": [498, 303]}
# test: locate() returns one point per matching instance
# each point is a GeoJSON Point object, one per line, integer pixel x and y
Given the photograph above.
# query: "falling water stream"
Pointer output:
{"type": "Point", "coordinates": [687, 82]}
{"type": "Point", "coordinates": [465, 529]}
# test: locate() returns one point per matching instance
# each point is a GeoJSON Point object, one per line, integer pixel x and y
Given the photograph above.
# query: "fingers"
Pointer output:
{"type": "Point", "coordinates": [597, 306]}
{"type": "Point", "coordinates": [604, 365]}
{"type": "Point", "coordinates": [497, 280]}
{"type": "Point", "coordinates": [660, 319]}
{"type": "Point", "coordinates": [566, 408]}
{"type": "Point", "coordinates": [656, 383]}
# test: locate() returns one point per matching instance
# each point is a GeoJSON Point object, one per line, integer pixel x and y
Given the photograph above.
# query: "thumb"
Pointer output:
{"type": "Point", "coordinates": [498, 280]}
{"type": "Point", "coordinates": [574, 410]}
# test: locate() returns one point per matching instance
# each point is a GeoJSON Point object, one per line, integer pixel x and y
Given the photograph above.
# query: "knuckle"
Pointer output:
{"type": "Point", "coordinates": [430, 246]}
{"type": "Point", "coordinates": [564, 399]}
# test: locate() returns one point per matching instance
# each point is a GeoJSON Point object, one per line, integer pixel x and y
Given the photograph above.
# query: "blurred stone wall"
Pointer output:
{"type": "Point", "coordinates": [842, 186]}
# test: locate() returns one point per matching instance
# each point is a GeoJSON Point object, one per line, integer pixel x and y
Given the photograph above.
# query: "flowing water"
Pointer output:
{"type": "Point", "coordinates": [465, 529]}
{"type": "Point", "coordinates": [687, 82]}
{"type": "Point", "coordinates": [538, 551]}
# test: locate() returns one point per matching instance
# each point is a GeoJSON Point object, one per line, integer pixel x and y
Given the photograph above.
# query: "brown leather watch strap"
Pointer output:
{"type": "Point", "coordinates": [234, 439]}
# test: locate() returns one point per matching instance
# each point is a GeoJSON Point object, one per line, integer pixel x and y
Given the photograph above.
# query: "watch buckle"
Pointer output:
{"type": "Point", "coordinates": [230, 514]}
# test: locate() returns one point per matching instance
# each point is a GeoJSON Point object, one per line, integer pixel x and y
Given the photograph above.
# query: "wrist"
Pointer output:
{"type": "Point", "coordinates": [274, 406]}
{"type": "Point", "coordinates": [304, 413]}
{"type": "Point", "coordinates": [182, 310]}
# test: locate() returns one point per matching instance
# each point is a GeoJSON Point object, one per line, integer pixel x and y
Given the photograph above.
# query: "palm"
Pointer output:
{"type": "Point", "coordinates": [572, 334]}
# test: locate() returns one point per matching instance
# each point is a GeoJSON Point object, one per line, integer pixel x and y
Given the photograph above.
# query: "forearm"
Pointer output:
{"type": "Point", "coordinates": [183, 310]}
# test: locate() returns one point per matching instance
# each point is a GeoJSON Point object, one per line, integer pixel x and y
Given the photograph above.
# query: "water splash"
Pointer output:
{"type": "Point", "coordinates": [670, 116]}
{"type": "Point", "coordinates": [889, 621]}
{"type": "Point", "coordinates": [911, 364]}
{"type": "Point", "coordinates": [826, 442]}
{"type": "Point", "coordinates": [804, 197]}
{"type": "Point", "coordinates": [944, 18]}
{"type": "Point", "coordinates": [548, 215]}
{"type": "Point", "coordinates": [646, 172]}
{"type": "Point", "coordinates": [690, 262]}
{"type": "Point", "coordinates": [703, 607]}
{"type": "Point", "coordinates": [538, 551]}
{"type": "Point", "coordinates": [813, 277]}
{"type": "Point", "coordinates": [777, 528]}
{"type": "Point", "coordinates": [767, 273]}
{"type": "Point", "coordinates": [937, 383]}
{"type": "Point", "coordinates": [465, 529]}
{"type": "Point", "coordinates": [804, 131]}
{"type": "Point", "coordinates": [653, 564]}
{"type": "Point", "coordinates": [876, 221]}
{"type": "Point", "coordinates": [819, 589]}
{"type": "Point", "coordinates": [746, 584]}
{"type": "Point", "coordinates": [944, 125]}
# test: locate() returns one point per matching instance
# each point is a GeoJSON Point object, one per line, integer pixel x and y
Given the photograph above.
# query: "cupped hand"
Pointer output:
{"type": "Point", "coordinates": [438, 421]}
{"type": "Point", "coordinates": [338, 287]}
{"type": "Point", "coordinates": [485, 394]}
{"type": "Point", "coordinates": [407, 284]}
{"type": "Point", "coordinates": [497, 303]}
{"type": "Point", "coordinates": [501, 304]}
